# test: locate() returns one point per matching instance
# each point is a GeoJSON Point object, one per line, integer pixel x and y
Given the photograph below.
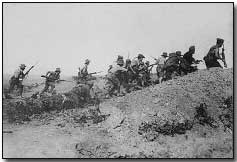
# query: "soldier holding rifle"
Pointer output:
{"type": "Point", "coordinates": [18, 77]}
{"type": "Point", "coordinates": [212, 57]}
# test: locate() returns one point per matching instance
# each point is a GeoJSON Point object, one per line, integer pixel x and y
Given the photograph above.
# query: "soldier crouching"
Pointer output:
{"type": "Point", "coordinates": [114, 78]}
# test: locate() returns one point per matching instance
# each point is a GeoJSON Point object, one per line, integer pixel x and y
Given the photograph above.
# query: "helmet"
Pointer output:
{"type": "Point", "coordinates": [219, 41]}
{"type": "Point", "coordinates": [22, 66]}
{"type": "Point", "coordinates": [140, 56]}
{"type": "Point", "coordinates": [58, 70]}
{"type": "Point", "coordinates": [87, 61]}
{"type": "Point", "coordinates": [164, 54]}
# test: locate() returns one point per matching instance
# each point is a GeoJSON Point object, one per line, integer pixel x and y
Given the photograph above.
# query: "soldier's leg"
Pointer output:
{"type": "Point", "coordinates": [20, 87]}
{"type": "Point", "coordinates": [52, 86]}
{"type": "Point", "coordinates": [46, 87]}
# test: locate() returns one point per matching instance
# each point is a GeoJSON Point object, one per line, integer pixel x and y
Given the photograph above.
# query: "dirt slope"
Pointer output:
{"type": "Point", "coordinates": [144, 124]}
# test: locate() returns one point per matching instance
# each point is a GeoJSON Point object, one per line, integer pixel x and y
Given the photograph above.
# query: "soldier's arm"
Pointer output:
{"type": "Point", "coordinates": [47, 74]}
{"type": "Point", "coordinates": [217, 54]}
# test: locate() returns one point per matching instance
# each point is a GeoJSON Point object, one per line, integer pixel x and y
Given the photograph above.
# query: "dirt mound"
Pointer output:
{"type": "Point", "coordinates": [196, 106]}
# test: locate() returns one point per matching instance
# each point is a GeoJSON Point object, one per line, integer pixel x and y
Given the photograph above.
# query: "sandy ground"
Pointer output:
{"type": "Point", "coordinates": [59, 135]}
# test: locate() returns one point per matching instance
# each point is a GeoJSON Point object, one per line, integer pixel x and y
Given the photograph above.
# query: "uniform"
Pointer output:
{"type": "Point", "coordinates": [51, 78]}
{"type": "Point", "coordinates": [17, 79]}
{"type": "Point", "coordinates": [114, 79]}
{"type": "Point", "coordinates": [188, 61]}
{"type": "Point", "coordinates": [160, 65]}
{"type": "Point", "coordinates": [172, 65]}
{"type": "Point", "coordinates": [212, 57]}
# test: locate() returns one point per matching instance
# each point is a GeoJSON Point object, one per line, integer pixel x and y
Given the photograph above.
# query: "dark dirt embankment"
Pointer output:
{"type": "Point", "coordinates": [189, 117]}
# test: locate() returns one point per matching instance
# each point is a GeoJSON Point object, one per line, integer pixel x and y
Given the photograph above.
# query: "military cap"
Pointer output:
{"type": "Point", "coordinates": [87, 61]}
{"type": "Point", "coordinates": [22, 66]}
{"type": "Point", "coordinates": [191, 48]}
{"type": "Point", "coordinates": [164, 54]}
{"type": "Point", "coordinates": [58, 70]}
{"type": "Point", "coordinates": [219, 41]}
{"type": "Point", "coordinates": [140, 56]}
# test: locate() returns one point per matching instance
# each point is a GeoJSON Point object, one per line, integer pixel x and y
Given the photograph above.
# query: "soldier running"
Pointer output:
{"type": "Point", "coordinates": [212, 57]}
{"type": "Point", "coordinates": [51, 78]}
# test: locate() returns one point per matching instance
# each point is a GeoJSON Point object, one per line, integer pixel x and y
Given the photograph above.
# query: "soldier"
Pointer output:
{"type": "Point", "coordinates": [136, 66]}
{"type": "Point", "coordinates": [131, 74]}
{"type": "Point", "coordinates": [212, 57]}
{"type": "Point", "coordinates": [114, 77]}
{"type": "Point", "coordinates": [51, 78]}
{"type": "Point", "coordinates": [136, 63]}
{"type": "Point", "coordinates": [84, 72]}
{"type": "Point", "coordinates": [172, 65]}
{"type": "Point", "coordinates": [148, 69]}
{"type": "Point", "coordinates": [17, 79]}
{"type": "Point", "coordinates": [160, 64]}
{"type": "Point", "coordinates": [189, 60]}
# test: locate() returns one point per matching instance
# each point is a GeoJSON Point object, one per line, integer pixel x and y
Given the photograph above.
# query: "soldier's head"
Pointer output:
{"type": "Point", "coordinates": [178, 53]}
{"type": "Point", "coordinates": [219, 42]}
{"type": "Point", "coordinates": [192, 49]}
{"type": "Point", "coordinates": [87, 62]}
{"type": "Point", "coordinates": [22, 66]}
{"type": "Point", "coordinates": [128, 61]}
{"type": "Point", "coordinates": [120, 62]}
{"type": "Point", "coordinates": [58, 70]}
{"type": "Point", "coordinates": [140, 57]}
{"type": "Point", "coordinates": [120, 57]}
{"type": "Point", "coordinates": [164, 54]}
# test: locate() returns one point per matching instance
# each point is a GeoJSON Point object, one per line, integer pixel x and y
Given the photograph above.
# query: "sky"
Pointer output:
{"type": "Point", "coordinates": [65, 34]}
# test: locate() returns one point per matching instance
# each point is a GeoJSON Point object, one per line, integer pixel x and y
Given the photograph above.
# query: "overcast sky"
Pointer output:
{"type": "Point", "coordinates": [64, 35]}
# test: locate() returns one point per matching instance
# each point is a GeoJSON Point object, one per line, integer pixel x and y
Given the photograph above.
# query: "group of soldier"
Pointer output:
{"type": "Point", "coordinates": [130, 74]}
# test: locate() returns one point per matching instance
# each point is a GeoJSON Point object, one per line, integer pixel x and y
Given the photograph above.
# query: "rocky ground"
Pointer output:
{"type": "Point", "coordinates": [188, 117]}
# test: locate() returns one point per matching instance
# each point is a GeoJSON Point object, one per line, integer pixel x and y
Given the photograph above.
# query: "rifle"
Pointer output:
{"type": "Point", "coordinates": [223, 57]}
{"type": "Point", "coordinates": [43, 76]}
{"type": "Point", "coordinates": [152, 65]}
{"type": "Point", "coordinates": [153, 57]}
{"type": "Point", "coordinates": [62, 80]}
{"type": "Point", "coordinates": [95, 73]}
{"type": "Point", "coordinates": [27, 72]}
{"type": "Point", "coordinates": [198, 61]}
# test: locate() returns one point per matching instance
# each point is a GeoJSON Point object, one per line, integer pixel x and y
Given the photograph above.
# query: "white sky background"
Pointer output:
{"type": "Point", "coordinates": [64, 35]}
